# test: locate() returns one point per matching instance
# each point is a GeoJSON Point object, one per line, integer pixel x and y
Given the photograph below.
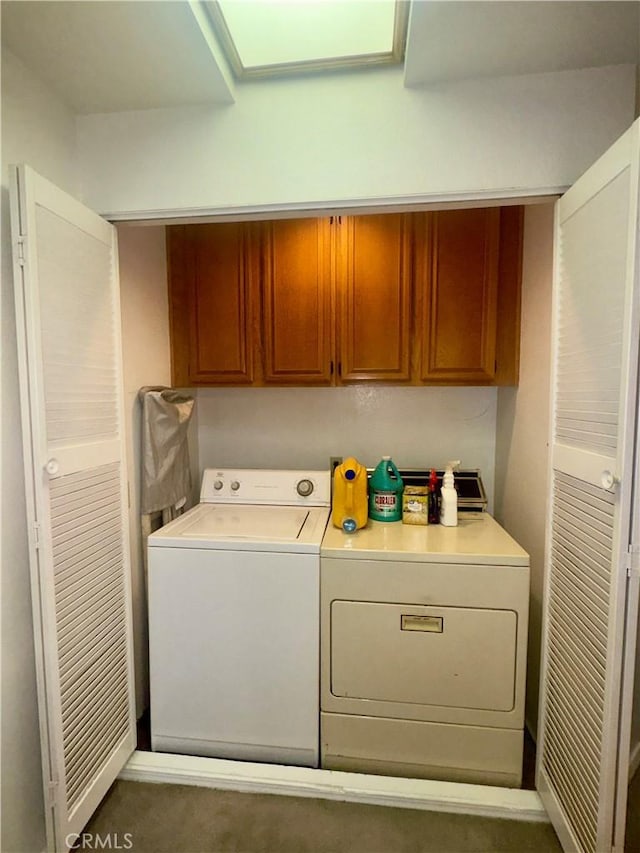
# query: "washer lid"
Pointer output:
{"type": "Point", "coordinates": [247, 522]}
{"type": "Point", "coordinates": [245, 527]}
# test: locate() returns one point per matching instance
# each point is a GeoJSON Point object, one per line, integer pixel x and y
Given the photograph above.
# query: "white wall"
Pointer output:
{"type": "Point", "coordinates": [303, 427]}
{"type": "Point", "coordinates": [522, 429]}
{"type": "Point", "coordinates": [340, 137]}
{"type": "Point", "coordinates": [38, 129]}
{"type": "Point", "coordinates": [146, 361]}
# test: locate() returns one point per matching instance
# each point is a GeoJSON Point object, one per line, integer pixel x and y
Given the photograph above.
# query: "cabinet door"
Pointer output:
{"type": "Point", "coordinates": [297, 302]}
{"type": "Point", "coordinates": [374, 285]}
{"type": "Point", "coordinates": [211, 304]}
{"type": "Point", "coordinates": [458, 296]}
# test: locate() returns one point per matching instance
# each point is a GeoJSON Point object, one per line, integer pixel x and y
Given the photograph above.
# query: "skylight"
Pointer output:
{"type": "Point", "coordinates": [267, 37]}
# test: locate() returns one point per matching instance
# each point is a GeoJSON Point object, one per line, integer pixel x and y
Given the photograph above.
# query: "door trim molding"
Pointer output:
{"type": "Point", "coordinates": [346, 207]}
{"type": "Point", "coordinates": [254, 778]}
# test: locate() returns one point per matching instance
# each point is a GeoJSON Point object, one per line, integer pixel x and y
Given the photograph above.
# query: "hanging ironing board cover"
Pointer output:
{"type": "Point", "coordinates": [166, 474]}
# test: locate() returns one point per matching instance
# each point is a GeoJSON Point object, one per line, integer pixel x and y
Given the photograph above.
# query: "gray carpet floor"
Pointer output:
{"type": "Point", "coordinates": [182, 819]}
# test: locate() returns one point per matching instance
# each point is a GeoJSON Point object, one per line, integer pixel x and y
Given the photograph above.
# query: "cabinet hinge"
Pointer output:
{"type": "Point", "coordinates": [633, 561]}
{"type": "Point", "coordinates": [21, 249]}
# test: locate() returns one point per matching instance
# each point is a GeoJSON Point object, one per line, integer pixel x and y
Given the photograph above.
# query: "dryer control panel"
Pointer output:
{"type": "Point", "coordinates": [272, 487]}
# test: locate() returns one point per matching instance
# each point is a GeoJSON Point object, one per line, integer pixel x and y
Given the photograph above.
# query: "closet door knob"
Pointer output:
{"type": "Point", "coordinates": [609, 480]}
{"type": "Point", "coordinates": [52, 467]}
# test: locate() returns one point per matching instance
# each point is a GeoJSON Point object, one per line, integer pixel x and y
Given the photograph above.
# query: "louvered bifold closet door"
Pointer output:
{"type": "Point", "coordinates": [68, 317]}
{"type": "Point", "coordinates": [583, 746]}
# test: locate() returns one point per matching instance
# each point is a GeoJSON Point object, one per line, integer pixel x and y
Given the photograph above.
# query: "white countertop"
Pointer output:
{"type": "Point", "coordinates": [478, 539]}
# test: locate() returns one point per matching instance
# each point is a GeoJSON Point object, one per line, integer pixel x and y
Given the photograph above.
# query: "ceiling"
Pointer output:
{"type": "Point", "coordinates": [117, 54]}
{"type": "Point", "coordinates": [143, 54]}
{"type": "Point", "coordinates": [459, 40]}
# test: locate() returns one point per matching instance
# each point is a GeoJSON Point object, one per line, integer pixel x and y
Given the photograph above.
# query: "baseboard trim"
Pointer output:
{"type": "Point", "coordinates": [247, 777]}
{"type": "Point", "coordinates": [634, 760]}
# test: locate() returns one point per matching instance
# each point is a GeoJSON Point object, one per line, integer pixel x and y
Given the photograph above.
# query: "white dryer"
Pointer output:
{"type": "Point", "coordinates": [234, 619]}
{"type": "Point", "coordinates": [424, 639]}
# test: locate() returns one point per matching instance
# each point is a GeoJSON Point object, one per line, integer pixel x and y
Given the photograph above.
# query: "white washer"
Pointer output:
{"type": "Point", "coordinates": [424, 644]}
{"type": "Point", "coordinates": [234, 619]}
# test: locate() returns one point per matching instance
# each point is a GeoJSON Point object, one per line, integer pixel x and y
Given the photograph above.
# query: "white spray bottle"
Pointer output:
{"type": "Point", "coordinates": [449, 497]}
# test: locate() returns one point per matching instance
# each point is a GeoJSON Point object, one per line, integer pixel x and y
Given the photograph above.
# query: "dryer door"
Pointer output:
{"type": "Point", "coordinates": [455, 657]}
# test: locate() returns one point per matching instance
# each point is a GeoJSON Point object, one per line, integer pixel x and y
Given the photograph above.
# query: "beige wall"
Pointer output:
{"type": "Point", "coordinates": [303, 427]}
{"type": "Point", "coordinates": [522, 429]}
{"type": "Point", "coordinates": [146, 361]}
{"type": "Point", "coordinates": [37, 129]}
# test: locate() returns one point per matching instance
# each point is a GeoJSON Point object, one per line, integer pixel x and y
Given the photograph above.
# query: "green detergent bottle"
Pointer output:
{"type": "Point", "coordinates": [385, 492]}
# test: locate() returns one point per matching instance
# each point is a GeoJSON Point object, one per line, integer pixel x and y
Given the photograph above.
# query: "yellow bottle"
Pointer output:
{"type": "Point", "coordinates": [349, 506]}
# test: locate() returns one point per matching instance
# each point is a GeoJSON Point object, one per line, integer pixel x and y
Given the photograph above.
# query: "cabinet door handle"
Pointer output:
{"type": "Point", "coordinates": [331, 368]}
{"type": "Point", "coordinates": [331, 220]}
{"type": "Point", "coordinates": [425, 624]}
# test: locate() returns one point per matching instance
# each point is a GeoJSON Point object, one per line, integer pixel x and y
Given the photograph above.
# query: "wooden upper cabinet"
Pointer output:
{"type": "Point", "coordinates": [423, 299]}
{"type": "Point", "coordinates": [458, 296]}
{"type": "Point", "coordinates": [374, 297]}
{"type": "Point", "coordinates": [211, 304]}
{"type": "Point", "coordinates": [296, 278]}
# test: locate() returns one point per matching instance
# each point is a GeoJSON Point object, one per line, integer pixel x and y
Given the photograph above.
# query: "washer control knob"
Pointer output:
{"type": "Point", "coordinates": [304, 488]}
{"type": "Point", "coordinates": [217, 485]}
{"type": "Point", "coordinates": [235, 486]}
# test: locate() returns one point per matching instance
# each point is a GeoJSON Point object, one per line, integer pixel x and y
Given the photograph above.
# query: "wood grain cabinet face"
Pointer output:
{"type": "Point", "coordinates": [211, 302]}
{"type": "Point", "coordinates": [458, 296]}
{"type": "Point", "coordinates": [296, 302]}
{"type": "Point", "coordinates": [374, 298]}
{"type": "Point", "coordinates": [423, 299]}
